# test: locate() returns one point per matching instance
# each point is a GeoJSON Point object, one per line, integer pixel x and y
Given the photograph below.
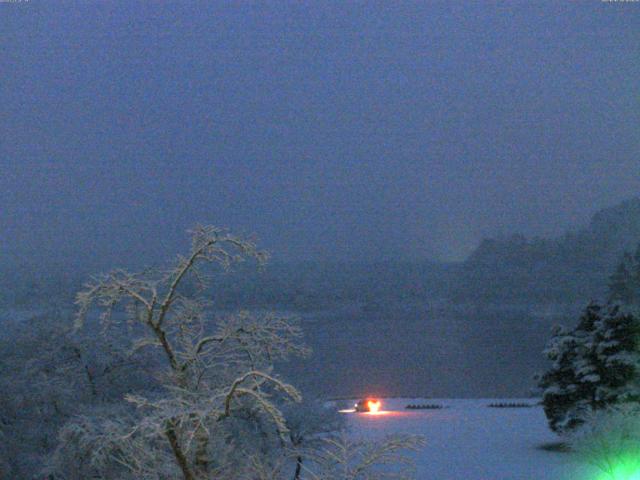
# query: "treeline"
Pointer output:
{"type": "Point", "coordinates": [290, 286]}
{"type": "Point", "coordinates": [567, 269]}
{"type": "Point", "coordinates": [318, 285]}
{"type": "Point", "coordinates": [512, 269]}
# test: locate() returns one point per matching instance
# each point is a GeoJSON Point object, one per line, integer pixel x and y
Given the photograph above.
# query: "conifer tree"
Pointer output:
{"type": "Point", "coordinates": [568, 384]}
{"type": "Point", "coordinates": [594, 366]}
{"type": "Point", "coordinates": [616, 356]}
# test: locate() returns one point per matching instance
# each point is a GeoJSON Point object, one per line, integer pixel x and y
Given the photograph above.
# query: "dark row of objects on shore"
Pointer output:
{"type": "Point", "coordinates": [424, 407]}
{"type": "Point", "coordinates": [511, 405]}
{"type": "Point", "coordinates": [491, 405]}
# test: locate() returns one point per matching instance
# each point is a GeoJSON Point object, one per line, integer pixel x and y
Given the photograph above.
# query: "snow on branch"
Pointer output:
{"type": "Point", "coordinates": [346, 459]}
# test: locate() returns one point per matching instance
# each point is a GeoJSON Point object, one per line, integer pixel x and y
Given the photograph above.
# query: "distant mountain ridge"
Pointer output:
{"type": "Point", "coordinates": [575, 266]}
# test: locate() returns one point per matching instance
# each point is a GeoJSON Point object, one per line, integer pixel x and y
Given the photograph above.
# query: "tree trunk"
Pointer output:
{"type": "Point", "coordinates": [181, 459]}
{"type": "Point", "coordinates": [298, 468]}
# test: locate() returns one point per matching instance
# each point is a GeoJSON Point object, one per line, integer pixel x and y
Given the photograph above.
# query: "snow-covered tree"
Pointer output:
{"type": "Point", "coordinates": [46, 376]}
{"type": "Point", "coordinates": [215, 408]}
{"type": "Point", "coordinates": [593, 366]}
{"type": "Point", "coordinates": [310, 425]}
{"type": "Point", "coordinates": [215, 369]}
{"type": "Point", "coordinates": [343, 458]}
{"type": "Point", "coordinates": [564, 396]}
{"type": "Point", "coordinates": [616, 354]}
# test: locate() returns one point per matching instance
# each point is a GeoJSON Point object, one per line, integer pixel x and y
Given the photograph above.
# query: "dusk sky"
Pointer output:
{"type": "Point", "coordinates": [329, 130]}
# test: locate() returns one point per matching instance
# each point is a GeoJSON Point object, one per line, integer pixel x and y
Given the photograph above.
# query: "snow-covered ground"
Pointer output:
{"type": "Point", "coordinates": [469, 441]}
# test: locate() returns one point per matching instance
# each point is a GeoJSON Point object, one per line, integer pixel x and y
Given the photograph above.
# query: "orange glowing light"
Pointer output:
{"type": "Point", "coordinates": [374, 407]}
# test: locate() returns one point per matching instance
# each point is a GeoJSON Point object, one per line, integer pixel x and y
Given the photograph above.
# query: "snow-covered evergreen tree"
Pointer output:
{"type": "Point", "coordinates": [594, 366]}
{"type": "Point", "coordinates": [615, 354]}
{"type": "Point", "coordinates": [567, 385]}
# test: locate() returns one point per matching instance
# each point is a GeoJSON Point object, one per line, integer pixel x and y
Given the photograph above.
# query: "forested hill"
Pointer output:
{"type": "Point", "coordinates": [571, 269]}
{"type": "Point", "coordinates": [574, 267]}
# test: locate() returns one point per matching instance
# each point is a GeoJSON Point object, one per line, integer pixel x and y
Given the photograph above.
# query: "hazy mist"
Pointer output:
{"type": "Point", "coordinates": [329, 131]}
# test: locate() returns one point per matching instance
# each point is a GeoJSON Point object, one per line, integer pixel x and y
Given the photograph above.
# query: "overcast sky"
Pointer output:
{"type": "Point", "coordinates": [329, 130]}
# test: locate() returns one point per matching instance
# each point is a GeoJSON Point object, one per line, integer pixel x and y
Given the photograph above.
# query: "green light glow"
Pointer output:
{"type": "Point", "coordinates": [626, 468]}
